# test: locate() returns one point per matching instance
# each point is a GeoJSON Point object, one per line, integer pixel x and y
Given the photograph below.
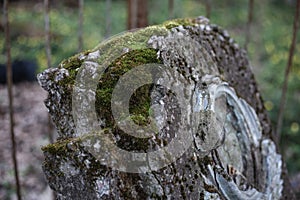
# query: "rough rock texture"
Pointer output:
{"type": "Point", "coordinates": [212, 138]}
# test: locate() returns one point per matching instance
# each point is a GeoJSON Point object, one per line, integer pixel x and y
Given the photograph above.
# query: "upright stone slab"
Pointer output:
{"type": "Point", "coordinates": [165, 112]}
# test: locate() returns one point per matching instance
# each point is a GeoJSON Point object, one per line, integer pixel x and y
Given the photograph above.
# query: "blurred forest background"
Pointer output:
{"type": "Point", "coordinates": [268, 46]}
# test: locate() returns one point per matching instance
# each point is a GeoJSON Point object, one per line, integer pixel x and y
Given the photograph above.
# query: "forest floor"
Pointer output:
{"type": "Point", "coordinates": [30, 128]}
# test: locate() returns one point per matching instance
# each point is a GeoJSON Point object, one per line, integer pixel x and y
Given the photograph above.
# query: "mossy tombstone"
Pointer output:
{"type": "Point", "coordinates": [166, 112]}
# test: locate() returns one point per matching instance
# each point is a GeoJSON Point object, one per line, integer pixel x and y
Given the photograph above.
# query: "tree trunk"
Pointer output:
{"type": "Point", "coordinates": [171, 9]}
{"type": "Point", "coordinates": [108, 19]}
{"type": "Point", "coordinates": [249, 22]}
{"type": "Point", "coordinates": [208, 8]}
{"type": "Point", "coordinates": [137, 13]}
{"type": "Point", "coordinates": [80, 25]}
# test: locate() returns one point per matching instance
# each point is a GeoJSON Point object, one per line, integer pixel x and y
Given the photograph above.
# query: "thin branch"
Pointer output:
{"type": "Point", "coordinates": [48, 55]}
{"type": "Point", "coordinates": [171, 9]}
{"type": "Point", "coordinates": [249, 22]}
{"type": "Point", "coordinates": [80, 25]}
{"type": "Point", "coordinates": [208, 8]}
{"type": "Point", "coordinates": [108, 18]}
{"type": "Point", "coordinates": [10, 96]}
{"type": "Point", "coordinates": [47, 32]}
{"type": "Point", "coordinates": [287, 71]}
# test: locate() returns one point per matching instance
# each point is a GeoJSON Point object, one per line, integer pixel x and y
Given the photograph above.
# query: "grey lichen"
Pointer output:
{"type": "Point", "coordinates": [59, 100]}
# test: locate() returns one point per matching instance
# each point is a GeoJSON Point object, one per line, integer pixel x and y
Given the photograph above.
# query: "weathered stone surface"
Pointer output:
{"type": "Point", "coordinates": [206, 105]}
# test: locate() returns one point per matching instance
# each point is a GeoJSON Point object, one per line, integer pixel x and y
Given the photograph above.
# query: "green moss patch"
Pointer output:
{"type": "Point", "coordinates": [179, 22]}
{"type": "Point", "coordinates": [140, 100]}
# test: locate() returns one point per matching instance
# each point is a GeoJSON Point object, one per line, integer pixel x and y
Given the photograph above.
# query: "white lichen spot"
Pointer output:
{"type": "Point", "coordinates": [87, 163]}
{"type": "Point", "coordinates": [211, 196]}
{"type": "Point", "coordinates": [102, 187]}
{"type": "Point", "coordinates": [202, 20]}
{"type": "Point", "coordinates": [202, 99]}
{"type": "Point", "coordinates": [68, 169]}
{"type": "Point", "coordinates": [81, 56]}
{"type": "Point", "coordinates": [202, 26]}
{"type": "Point", "coordinates": [97, 145]}
{"type": "Point", "coordinates": [208, 28]}
{"type": "Point", "coordinates": [225, 34]}
{"type": "Point", "coordinates": [93, 55]}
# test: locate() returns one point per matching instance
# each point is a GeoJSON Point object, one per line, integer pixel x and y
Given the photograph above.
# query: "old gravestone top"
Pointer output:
{"type": "Point", "coordinates": [169, 111]}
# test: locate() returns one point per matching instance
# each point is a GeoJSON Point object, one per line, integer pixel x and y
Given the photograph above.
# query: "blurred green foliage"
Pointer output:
{"type": "Point", "coordinates": [271, 34]}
